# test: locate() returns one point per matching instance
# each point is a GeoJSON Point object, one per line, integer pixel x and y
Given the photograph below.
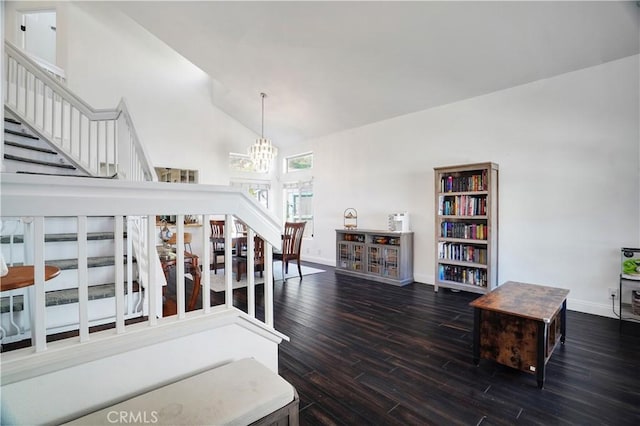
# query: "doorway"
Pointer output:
{"type": "Point", "coordinates": [37, 31]}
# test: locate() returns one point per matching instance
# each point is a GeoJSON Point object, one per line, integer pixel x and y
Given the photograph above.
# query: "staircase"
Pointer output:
{"type": "Point", "coordinates": [48, 130]}
{"type": "Point", "coordinates": [91, 229]}
{"type": "Point", "coordinates": [25, 152]}
{"type": "Point", "coordinates": [61, 297]}
{"type": "Point", "coordinates": [100, 142]}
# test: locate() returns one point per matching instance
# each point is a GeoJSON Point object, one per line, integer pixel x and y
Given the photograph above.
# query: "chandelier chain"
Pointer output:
{"type": "Point", "coordinates": [262, 128]}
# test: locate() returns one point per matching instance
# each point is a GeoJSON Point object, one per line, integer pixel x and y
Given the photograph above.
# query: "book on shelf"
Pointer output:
{"type": "Point", "coordinates": [462, 275]}
{"type": "Point", "coordinates": [462, 252]}
{"type": "Point", "coordinates": [461, 230]}
{"type": "Point", "coordinates": [462, 205]}
{"type": "Point", "coordinates": [465, 183]}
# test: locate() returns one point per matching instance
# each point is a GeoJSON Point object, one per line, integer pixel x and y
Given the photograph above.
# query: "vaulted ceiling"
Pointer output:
{"type": "Point", "coordinates": [328, 66]}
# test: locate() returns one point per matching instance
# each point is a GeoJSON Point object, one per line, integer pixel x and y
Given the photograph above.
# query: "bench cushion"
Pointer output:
{"type": "Point", "coordinates": [237, 393]}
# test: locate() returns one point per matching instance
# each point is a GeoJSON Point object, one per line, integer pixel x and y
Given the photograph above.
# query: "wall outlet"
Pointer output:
{"type": "Point", "coordinates": [613, 293]}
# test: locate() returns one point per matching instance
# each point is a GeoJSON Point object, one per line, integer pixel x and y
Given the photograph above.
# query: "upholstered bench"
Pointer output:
{"type": "Point", "coordinates": [243, 392]}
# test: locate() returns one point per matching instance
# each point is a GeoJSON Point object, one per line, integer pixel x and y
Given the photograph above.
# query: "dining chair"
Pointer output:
{"type": "Point", "coordinates": [187, 241]}
{"type": "Point", "coordinates": [217, 241]}
{"type": "Point", "coordinates": [240, 260]}
{"type": "Point", "coordinates": [291, 246]}
{"type": "Point", "coordinates": [191, 267]}
{"type": "Point", "coordinates": [241, 228]}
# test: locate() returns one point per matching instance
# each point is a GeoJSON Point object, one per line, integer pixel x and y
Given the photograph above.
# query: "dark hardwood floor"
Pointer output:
{"type": "Point", "coordinates": [369, 353]}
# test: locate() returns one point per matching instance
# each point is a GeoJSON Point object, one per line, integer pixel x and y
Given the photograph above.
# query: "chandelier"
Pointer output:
{"type": "Point", "coordinates": [262, 153]}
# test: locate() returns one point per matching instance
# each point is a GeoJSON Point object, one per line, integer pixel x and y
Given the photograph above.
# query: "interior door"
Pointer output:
{"type": "Point", "coordinates": [38, 30]}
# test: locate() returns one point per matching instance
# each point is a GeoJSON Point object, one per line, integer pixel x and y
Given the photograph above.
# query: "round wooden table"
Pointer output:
{"type": "Point", "coordinates": [22, 276]}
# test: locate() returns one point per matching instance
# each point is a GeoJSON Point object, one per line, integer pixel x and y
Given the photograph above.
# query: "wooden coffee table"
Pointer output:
{"type": "Point", "coordinates": [519, 325]}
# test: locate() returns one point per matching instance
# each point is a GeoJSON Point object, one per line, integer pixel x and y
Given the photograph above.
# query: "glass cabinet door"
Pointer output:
{"type": "Point", "coordinates": [357, 263]}
{"type": "Point", "coordinates": [390, 262]}
{"type": "Point", "coordinates": [374, 260]}
{"type": "Point", "coordinates": [351, 256]}
{"type": "Point", "coordinates": [343, 255]}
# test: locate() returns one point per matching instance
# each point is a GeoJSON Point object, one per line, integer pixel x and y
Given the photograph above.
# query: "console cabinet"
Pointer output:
{"type": "Point", "coordinates": [383, 256]}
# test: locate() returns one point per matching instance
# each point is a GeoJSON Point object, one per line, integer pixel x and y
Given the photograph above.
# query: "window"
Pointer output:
{"type": "Point", "coordinates": [258, 190]}
{"type": "Point", "coordinates": [298, 197]}
{"type": "Point", "coordinates": [240, 163]}
{"type": "Point", "coordinates": [299, 162]}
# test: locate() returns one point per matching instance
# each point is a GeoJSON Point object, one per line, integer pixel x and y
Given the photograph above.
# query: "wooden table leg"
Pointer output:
{"type": "Point", "coordinates": [563, 322]}
{"type": "Point", "coordinates": [476, 335]}
{"type": "Point", "coordinates": [543, 329]}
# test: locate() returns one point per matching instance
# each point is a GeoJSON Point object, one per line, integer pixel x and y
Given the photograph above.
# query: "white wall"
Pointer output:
{"type": "Point", "coordinates": [107, 56]}
{"type": "Point", "coordinates": [78, 380]}
{"type": "Point", "coordinates": [567, 148]}
{"type": "Point", "coordinates": [568, 151]}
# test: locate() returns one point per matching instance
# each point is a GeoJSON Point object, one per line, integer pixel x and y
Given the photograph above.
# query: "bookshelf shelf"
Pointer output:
{"type": "Point", "coordinates": [462, 263]}
{"type": "Point", "coordinates": [456, 216]}
{"type": "Point", "coordinates": [463, 240]}
{"type": "Point", "coordinates": [466, 227]}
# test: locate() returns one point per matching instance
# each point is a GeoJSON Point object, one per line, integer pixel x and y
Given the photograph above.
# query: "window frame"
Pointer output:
{"type": "Point", "coordinates": [297, 191]}
{"type": "Point", "coordinates": [290, 158]}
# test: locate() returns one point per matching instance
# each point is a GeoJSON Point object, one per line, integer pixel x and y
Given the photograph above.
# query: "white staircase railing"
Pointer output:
{"type": "Point", "coordinates": [100, 142]}
{"type": "Point", "coordinates": [50, 196]}
{"type": "Point", "coordinates": [139, 248]}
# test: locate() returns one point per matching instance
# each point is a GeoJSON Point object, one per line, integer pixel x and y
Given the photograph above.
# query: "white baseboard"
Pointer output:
{"type": "Point", "coordinates": [320, 260]}
{"type": "Point", "coordinates": [584, 306]}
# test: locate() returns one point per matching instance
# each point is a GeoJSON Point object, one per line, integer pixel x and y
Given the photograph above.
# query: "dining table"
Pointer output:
{"type": "Point", "coordinates": [21, 277]}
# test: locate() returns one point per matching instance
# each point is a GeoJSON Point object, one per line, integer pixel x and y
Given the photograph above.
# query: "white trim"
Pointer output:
{"type": "Point", "coordinates": [584, 306]}
{"type": "Point", "coordinates": [53, 69]}
{"type": "Point", "coordinates": [32, 195]}
{"type": "Point", "coordinates": [23, 364]}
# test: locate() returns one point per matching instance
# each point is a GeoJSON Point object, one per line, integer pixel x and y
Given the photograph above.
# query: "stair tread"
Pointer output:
{"type": "Point", "coordinates": [31, 148]}
{"type": "Point", "coordinates": [40, 162]}
{"type": "Point", "coordinates": [97, 291]}
{"type": "Point", "coordinates": [23, 134]}
{"type": "Point", "coordinates": [114, 176]}
{"type": "Point", "coordinates": [48, 238]}
{"type": "Point", "coordinates": [68, 295]}
{"type": "Point", "coordinates": [11, 120]}
{"type": "Point", "coordinates": [92, 262]}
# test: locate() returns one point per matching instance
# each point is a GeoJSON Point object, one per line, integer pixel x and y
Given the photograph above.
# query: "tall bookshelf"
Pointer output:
{"type": "Point", "coordinates": [466, 227]}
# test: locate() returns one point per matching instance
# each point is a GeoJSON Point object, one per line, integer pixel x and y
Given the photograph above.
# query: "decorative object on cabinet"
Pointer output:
{"type": "Point", "coordinates": [382, 256]}
{"type": "Point", "coordinates": [399, 222]}
{"type": "Point", "coordinates": [466, 227]}
{"type": "Point", "coordinates": [350, 218]}
{"type": "Point", "coordinates": [262, 152]}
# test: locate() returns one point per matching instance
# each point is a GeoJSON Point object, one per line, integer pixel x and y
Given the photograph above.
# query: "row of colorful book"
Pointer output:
{"type": "Point", "coordinates": [462, 205]}
{"type": "Point", "coordinates": [468, 231]}
{"type": "Point", "coordinates": [462, 252]}
{"type": "Point", "coordinates": [463, 275]}
{"type": "Point", "coordinates": [476, 182]}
